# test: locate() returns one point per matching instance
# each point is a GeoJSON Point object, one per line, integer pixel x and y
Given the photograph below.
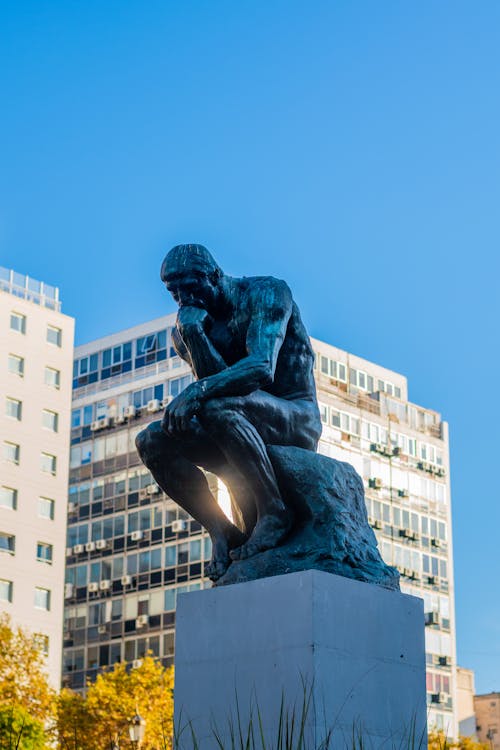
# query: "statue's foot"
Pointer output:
{"type": "Point", "coordinates": [268, 533]}
{"type": "Point", "coordinates": [221, 559]}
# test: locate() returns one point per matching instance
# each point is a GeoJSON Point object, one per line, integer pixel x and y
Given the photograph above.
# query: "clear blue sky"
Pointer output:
{"type": "Point", "coordinates": [349, 147]}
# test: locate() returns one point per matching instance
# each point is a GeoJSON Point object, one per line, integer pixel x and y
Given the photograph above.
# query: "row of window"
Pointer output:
{"type": "Point", "coordinates": [107, 654]}
{"type": "Point", "coordinates": [405, 519]}
{"type": "Point", "coordinates": [16, 366]}
{"type": "Point", "coordinates": [109, 569]}
{"type": "Point", "coordinates": [9, 496]}
{"type": "Point", "coordinates": [414, 560]}
{"type": "Point", "coordinates": [14, 409]}
{"type": "Point", "coordinates": [12, 452]}
{"type": "Point", "coordinates": [379, 435]}
{"type": "Point", "coordinates": [115, 526]}
{"type": "Point", "coordinates": [44, 551]}
{"type": "Point", "coordinates": [154, 347]}
{"type": "Point", "coordinates": [41, 599]}
{"type": "Point", "coordinates": [358, 378]}
{"type": "Point", "coordinates": [116, 406]}
{"type": "Point", "coordinates": [18, 323]}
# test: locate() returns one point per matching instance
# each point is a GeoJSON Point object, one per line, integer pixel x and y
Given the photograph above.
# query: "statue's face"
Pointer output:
{"type": "Point", "coordinates": [193, 288]}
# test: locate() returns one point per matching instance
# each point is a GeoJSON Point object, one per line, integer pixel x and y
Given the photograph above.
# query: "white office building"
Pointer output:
{"type": "Point", "coordinates": [36, 353]}
{"type": "Point", "coordinates": [131, 549]}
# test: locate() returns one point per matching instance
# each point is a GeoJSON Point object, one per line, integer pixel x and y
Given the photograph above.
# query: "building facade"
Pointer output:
{"type": "Point", "coordinates": [36, 356]}
{"type": "Point", "coordinates": [487, 709]}
{"type": "Point", "coordinates": [465, 703]}
{"type": "Point", "coordinates": [131, 549]}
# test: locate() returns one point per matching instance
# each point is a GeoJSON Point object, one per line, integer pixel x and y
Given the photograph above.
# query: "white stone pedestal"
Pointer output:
{"type": "Point", "coordinates": [355, 649]}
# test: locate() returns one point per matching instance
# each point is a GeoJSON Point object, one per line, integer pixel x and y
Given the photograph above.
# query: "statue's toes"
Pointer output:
{"type": "Point", "coordinates": [216, 568]}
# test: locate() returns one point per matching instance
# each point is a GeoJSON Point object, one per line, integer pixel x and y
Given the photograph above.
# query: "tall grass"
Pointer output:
{"type": "Point", "coordinates": [291, 733]}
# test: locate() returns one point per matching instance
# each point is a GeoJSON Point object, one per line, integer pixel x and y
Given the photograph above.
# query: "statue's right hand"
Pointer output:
{"type": "Point", "coordinates": [192, 320]}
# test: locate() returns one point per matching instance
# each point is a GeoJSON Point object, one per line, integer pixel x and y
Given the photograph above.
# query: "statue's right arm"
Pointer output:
{"type": "Point", "coordinates": [194, 347]}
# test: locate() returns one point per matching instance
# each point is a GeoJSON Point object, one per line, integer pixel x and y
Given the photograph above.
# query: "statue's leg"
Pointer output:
{"type": "Point", "coordinates": [168, 459]}
{"type": "Point", "coordinates": [241, 427]}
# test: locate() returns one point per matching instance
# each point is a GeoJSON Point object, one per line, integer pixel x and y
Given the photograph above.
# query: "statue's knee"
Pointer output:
{"type": "Point", "coordinates": [149, 442]}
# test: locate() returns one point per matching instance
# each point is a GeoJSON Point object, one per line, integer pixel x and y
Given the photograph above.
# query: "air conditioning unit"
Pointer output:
{"type": "Point", "coordinates": [78, 549]}
{"type": "Point", "coordinates": [439, 697]}
{"type": "Point", "coordinates": [126, 580]}
{"type": "Point", "coordinates": [120, 418]}
{"type": "Point", "coordinates": [415, 536]}
{"type": "Point", "coordinates": [440, 471]}
{"type": "Point", "coordinates": [101, 544]}
{"type": "Point", "coordinates": [433, 580]}
{"type": "Point", "coordinates": [376, 448]}
{"type": "Point", "coordinates": [375, 483]}
{"type": "Point", "coordinates": [403, 493]}
{"type": "Point", "coordinates": [407, 572]}
{"type": "Point", "coordinates": [67, 635]}
{"type": "Point", "coordinates": [167, 401]}
{"type": "Point", "coordinates": [68, 590]}
{"type": "Point", "coordinates": [153, 405]}
{"type": "Point", "coordinates": [105, 585]}
{"type": "Point", "coordinates": [152, 489]}
{"type": "Point", "coordinates": [444, 661]}
{"type": "Point", "coordinates": [72, 507]}
{"type": "Point", "coordinates": [141, 621]}
{"type": "Point", "coordinates": [432, 618]}
{"type": "Point", "coordinates": [136, 536]}
{"type": "Point", "coordinates": [69, 551]}
{"type": "Point", "coordinates": [136, 663]}
{"type": "Point", "coordinates": [375, 523]}
{"type": "Point", "coordinates": [90, 547]}
{"type": "Point", "coordinates": [178, 526]}
{"type": "Point", "coordinates": [435, 542]}
{"type": "Point", "coordinates": [130, 411]}
{"type": "Point", "coordinates": [406, 533]}
{"type": "Point", "coordinates": [93, 587]}
{"type": "Point", "coordinates": [396, 451]}
{"type": "Point", "coordinates": [102, 629]}
{"type": "Point", "coordinates": [100, 424]}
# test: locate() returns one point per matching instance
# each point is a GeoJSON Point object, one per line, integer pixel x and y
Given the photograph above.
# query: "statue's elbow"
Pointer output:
{"type": "Point", "coordinates": [266, 374]}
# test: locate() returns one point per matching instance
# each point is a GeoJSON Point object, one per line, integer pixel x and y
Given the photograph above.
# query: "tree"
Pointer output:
{"type": "Point", "coordinates": [23, 679]}
{"type": "Point", "coordinates": [26, 698]}
{"type": "Point", "coordinates": [19, 730]}
{"type": "Point", "coordinates": [102, 718]}
{"type": "Point", "coordinates": [437, 740]}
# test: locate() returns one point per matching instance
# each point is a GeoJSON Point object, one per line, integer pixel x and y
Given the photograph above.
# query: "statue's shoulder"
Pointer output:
{"type": "Point", "coordinates": [264, 289]}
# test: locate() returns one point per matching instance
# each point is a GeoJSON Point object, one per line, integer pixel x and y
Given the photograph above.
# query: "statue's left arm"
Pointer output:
{"type": "Point", "coordinates": [270, 304]}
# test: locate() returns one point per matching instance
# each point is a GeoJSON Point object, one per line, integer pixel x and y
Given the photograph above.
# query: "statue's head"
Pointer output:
{"type": "Point", "coordinates": [192, 276]}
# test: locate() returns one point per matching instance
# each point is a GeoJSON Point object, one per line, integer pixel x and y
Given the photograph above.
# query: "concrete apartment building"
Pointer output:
{"type": "Point", "coordinates": [487, 709]}
{"type": "Point", "coordinates": [36, 354]}
{"type": "Point", "coordinates": [131, 549]}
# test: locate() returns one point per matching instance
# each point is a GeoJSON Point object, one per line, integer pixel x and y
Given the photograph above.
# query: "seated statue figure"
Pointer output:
{"type": "Point", "coordinates": [254, 388]}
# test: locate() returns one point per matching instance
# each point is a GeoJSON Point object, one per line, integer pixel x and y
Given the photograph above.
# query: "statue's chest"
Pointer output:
{"type": "Point", "coordinates": [229, 338]}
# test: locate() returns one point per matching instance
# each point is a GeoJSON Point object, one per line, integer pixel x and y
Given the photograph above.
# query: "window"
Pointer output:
{"type": "Point", "coordinates": [50, 420]}
{"type": "Point", "coordinates": [6, 590]}
{"type": "Point", "coordinates": [16, 365]}
{"type": "Point", "coordinates": [13, 408]}
{"type": "Point", "coordinates": [7, 543]}
{"type": "Point", "coordinates": [11, 452]}
{"type": "Point", "coordinates": [42, 643]}
{"type": "Point", "coordinates": [44, 552]}
{"type": "Point", "coordinates": [46, 508]}
{"type": "Point", "coordinates": [54, 335]}
{"type": "Point", "coordinates": [48, 463]}
{"type": "Point", "coordinates": [42, 599]}
{"type": "Point", "coordinates": [8, 498]}
{"type": "Point", "coordinates": [52, 377]}
{"type": "Point", "coordinates": [18, 322]}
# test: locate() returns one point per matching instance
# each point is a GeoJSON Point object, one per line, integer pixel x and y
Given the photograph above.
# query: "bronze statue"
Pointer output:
{"type": "Point", "coordinates": [253, 363]}
{"type": "Point", "coordinates": [251, 417]}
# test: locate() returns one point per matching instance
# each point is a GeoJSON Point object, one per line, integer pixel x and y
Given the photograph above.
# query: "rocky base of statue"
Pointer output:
{"type": "Point", "coordinates": [331, 530]}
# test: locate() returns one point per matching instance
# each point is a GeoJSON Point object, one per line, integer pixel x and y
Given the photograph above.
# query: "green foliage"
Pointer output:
{"type": "Point", "coordinates": [19, 730]}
